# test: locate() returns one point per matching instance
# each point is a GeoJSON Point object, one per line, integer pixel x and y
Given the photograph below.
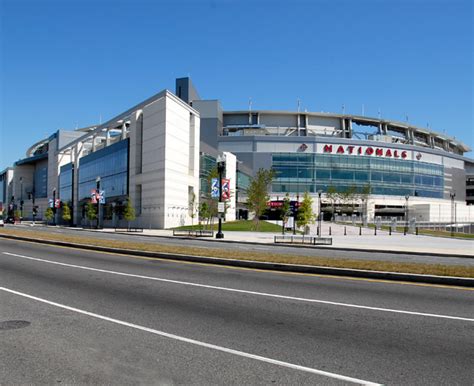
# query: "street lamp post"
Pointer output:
{"type": "Point", "coordinates": [220, 171]}
{"type": "Point", "coordinates": [54, 206]}
{"type": "Point", "coordinates": [320, 212]}
{"type": "Point", "coordinates": [97, 196]}
{"type": "Point", "coordinates": [406, 214]}
{"type": "Point", "coordinates": [35, 210]}
{"type": "Point", "coordinates": [362, 212]}
{"type": "Point", "coordinates": [21, 199]}
{"type": "Point", "coordinates": [452, 195]}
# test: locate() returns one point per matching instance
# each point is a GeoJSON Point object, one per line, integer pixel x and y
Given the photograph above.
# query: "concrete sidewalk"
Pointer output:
{"type": "Point", "coordinates": [396, 242]}
{"type": "Point", "coordinates": [383, 242]}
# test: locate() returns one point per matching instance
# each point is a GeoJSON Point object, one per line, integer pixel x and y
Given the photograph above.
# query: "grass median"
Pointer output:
{"type": "Point", "coordinates": [228, 253]}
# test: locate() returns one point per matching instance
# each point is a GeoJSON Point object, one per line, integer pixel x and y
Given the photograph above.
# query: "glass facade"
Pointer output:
{"type": "Point", "coordinates": [207, 164]}
{"type": "Point", "coordinates": [111, 165]}
{"type": "Point", "coordinates": [65, 183]}
{"type": "Point", "coordinates": [41, 182]}
{"type": "Point", "coordinates": [299, 173]}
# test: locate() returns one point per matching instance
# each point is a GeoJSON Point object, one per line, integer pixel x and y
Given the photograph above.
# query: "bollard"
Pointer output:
{"type": "Point", "coordinates": [404, 231]}
{"type": "Point", "coordinates": [317, 231]}
{"type": "Point", "coordinates": [416, 231]}
{"type": "Point", "coordinates": [345, 231]}
{"type": "Point", "coordinates": [360, 231]}
{"type": "Point", "coordinates": [375, 231]}
{"type": "Point", "coordinates": [329, 231]}
{"type": "Point", "coordinates": [390, 231]}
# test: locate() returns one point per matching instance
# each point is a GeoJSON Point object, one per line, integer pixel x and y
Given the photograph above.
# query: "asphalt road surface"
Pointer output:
{"type": "Point", "coordinates": [260, 248]}
{"type": "Point", "coordinates": [72, 316]}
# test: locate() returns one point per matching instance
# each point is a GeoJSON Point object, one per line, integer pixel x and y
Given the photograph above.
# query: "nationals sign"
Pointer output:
{"type": "Point", "coordinates": [368, 151]}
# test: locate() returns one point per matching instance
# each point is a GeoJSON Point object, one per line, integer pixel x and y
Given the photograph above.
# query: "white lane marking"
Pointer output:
{"type": "Point", "coordinates": [195, 342]}
{"type": "Point", "coordinates": [242, 291]}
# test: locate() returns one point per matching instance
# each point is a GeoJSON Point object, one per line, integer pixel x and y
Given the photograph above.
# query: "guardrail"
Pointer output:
{"type": "Point", "coordinates": [193, 232]}
{"type": "Point", "coordinates": [292, 239]}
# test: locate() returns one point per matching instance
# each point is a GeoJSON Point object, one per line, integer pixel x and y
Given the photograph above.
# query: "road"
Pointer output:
{"type": "Point", "coordinates": [259, 248]}
{"type": "Point", "coordinates": [105, 318]}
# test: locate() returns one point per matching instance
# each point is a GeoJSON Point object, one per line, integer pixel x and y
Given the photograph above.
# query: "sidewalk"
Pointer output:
{"type": "Point", "coordinates": [396, 242]}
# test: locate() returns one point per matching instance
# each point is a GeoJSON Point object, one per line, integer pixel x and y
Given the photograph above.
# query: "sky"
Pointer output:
{"type": "Point", "coordinates": [70, 63]}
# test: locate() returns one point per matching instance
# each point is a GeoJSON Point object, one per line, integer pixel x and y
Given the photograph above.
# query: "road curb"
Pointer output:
{"type": "Point", "coordinates": [393, 276]}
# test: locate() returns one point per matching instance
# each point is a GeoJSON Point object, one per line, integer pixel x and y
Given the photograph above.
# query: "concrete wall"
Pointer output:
{"type": "Point", "coordinates": [169, 163]}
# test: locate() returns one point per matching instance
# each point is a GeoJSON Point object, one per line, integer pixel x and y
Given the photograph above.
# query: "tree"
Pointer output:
{"type": "Point", "coordinates": [285, 212]}
{"type": "Point", "coordinates": [66, 213]}
{"type": "Point", "coordinates": [305, 214]}
{"type": "Point", "coordinates": [204, 212]}
{"type": "Point", "coordinates": [257, 193]}
{"type": "Point", "coordinates": [48, 215]}
{"type": "Point", "coordinates": [91, 212]}
{"type": "Point", "coordinates": [129, 212]}
{"type": "Point", "coordinates": [193, 207]}
{"type": "Point", "coordinates": [364, 196]}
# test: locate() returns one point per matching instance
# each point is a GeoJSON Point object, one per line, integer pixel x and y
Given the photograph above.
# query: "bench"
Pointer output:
{"type": "Point", "coordinates": [297, 239]}
{"type": "Point", "coordinates": [131, 229]}
{"type": "Point", "coordinates": [193, 232]}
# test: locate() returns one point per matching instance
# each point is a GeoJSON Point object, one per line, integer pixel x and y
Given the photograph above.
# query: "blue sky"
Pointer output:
{"type": "Point", "coordinates": [66, 63]}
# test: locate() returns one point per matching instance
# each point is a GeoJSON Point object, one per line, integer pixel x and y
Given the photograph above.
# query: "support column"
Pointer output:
{"type": "Point", "coordinates": [107, 137]}
{"type": "Point", "coordinates": [93, 143]}
{"type": "Point", "coordinates": [123, 133]}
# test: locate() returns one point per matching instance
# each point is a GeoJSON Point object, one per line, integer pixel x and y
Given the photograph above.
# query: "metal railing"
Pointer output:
{"type": "Point", "coordinates": [297, 239]}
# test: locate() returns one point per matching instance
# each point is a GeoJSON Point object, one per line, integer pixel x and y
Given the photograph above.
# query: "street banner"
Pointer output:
{"type": "Point", "coordinates": [225, 188]}
{"type": "Point", "coordinates": [102, 197]}
{"type": "Point", "coordinates": [57, 203]}
{"type": "Point", "coordinates": [93, 196]}
{"type": "Point", "coordinates": [215, 188]}
{"type": "Point", "coordinates": [50, 203]}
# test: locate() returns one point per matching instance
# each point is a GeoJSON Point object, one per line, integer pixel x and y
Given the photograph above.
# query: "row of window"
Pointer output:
{"type": "Point", "coordinates": [335, 161]}
{"type": "Point", "coordinates": [105, 162]}
{"type": "Point", "coordinates": [356, 176]}
{"type": "Point", "coordinates": [41, 182]}
{"type": "Point", "coordinates": [278, 187]}
{"type": "Point", "coordinates": [113, 186]}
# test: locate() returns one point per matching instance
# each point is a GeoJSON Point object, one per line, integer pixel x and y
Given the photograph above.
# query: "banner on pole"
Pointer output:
{"type": "Point", "coordinates": [93, 196]}
{"type": "Point", "coordinates": [215, 188]}
{"type": "Point", "coordinates": [225, 188]}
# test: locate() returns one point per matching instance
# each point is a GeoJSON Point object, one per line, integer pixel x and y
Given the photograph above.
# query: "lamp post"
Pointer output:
{"type": "Point", "coordinates": [35, 210]}
{"type": "Point", "coordinates": [220, 171]}
{"type": "Point", "coordinates": [362, 212]}
{"type": "Point", "coordinates": [97, 196]}
{"type": "Point", "coordinates": [320, 212]}
{"type": "Point", "coordinates": [54, 206]}
{"type": "Point", "coordinates": [21, 199]}
{"type": "Point", "coordinates": [406, 213]}
{"type": "Point", "coordinates": [452, 195]}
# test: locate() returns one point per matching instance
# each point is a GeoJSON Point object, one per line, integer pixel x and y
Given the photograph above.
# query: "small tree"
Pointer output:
{"type": "Point", "coordinates": [257, 193]}
{"type": "Point", "coordinates": [285, 212]}
{"type": "Point", "coordinates": [193, 207]}
{"type": "Point", "coordinates": [204, 212]}
{"type": "Point", "coordinates": [91, 212]}
{"type": "Point", "coordinates": [364, 196]}
{"type": "Point", "coordinates": [129, 212]}
{"type": "Point", "coordinates": [305, 214]}
{"type": "Point", "coordinates": [66, 213]}
{"type": "Point", "coordinates": [48, 215]}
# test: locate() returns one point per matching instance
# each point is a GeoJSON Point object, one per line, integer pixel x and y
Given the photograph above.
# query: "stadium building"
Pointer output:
{"type": "Point", "coordinates": [161, 153]}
